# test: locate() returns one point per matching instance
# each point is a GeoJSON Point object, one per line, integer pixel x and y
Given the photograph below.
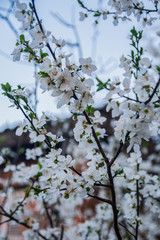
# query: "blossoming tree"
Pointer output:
{"type": "Point", "coordinates": [116, 171]}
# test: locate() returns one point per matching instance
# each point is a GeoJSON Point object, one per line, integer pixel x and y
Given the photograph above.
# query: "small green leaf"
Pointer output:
{"type": "Point", "coordinates": [90, 109]}
{"type": "Point", "coordinates": [66, 195]}
{"type": "Point", "coordinates": [37, 190]}
{"type": "Point", "coordinates": [97, 14]}
{"type": "Point", "coordinates": [40, 165]}
{"type": "Point", "coordinates": [100, 84]}
{"type": "Point", "coordinates": [43, 74]}
{"type": "Point", "coordinates": [119, 172]}
{"type": "Point", "coordinates": [30, 5]}
{"type": "Point", "coordinates": [39, 174]}
{"type": "Point", "coordinates": [31, 115]}
{"type": "Point", "coordinates": [6, 87]}
{"type": "Point", "coordinates": [27, 191]}
{"type": "Point", "coordinates": [22, 38]}
{"type": "Point", "coordinates": [158, 68]}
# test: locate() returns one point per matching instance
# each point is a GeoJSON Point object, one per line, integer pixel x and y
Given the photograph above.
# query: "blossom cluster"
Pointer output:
{"type": "Point", "coordinates": [116, 170]}
{"type": "Point", "coordinates": [142, 11]}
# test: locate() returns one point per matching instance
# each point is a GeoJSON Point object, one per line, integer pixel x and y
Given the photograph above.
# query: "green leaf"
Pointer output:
{"type": "Point", "coordinates": [37, 190]}
{"type": "Point", "coordinates": [66, 195]}
{"type": "Point", "coordinates": [40, 165]}
{"type": "Point", "coordinates": [156, 105]}
{"type": "Point", "coordinates": [22, 150]}
{"type": "Point", "coordinates": [90, 109]}
{"type": "Point", "coordinates": [134, 32]}
{"type": "Point", "coordinates": [42, 54]}
{"type": "Point", "coordinates": [22, 38]}
{"type": "Point", "coordinates": [43, 74]}
{"type": "Point", "coordinates": [6, 87]}
{"type": "Point", "coordinates": [27, 191]}
{"type": "Point", "coordinates": [39, 174]}
{"type": "Point", "coordinates": [30, 5]}
{"type": "Point", "coordinates": [97, 14]}
{"type": "Point", "coordinates": [141, 50]}
{"type": "Point", "coordinates": [158, 68]}
{"type": "Point", "coordinates": [132, 54]}
{"type": "Point", "coordinates": [100, 84]}
{"type": "Point", "coordinates": [97, 134]}
{"type": "Point", "coordinates": [26, 108]}
{"type": "Point", "coordinates": [119, 171]}
{"type": "Point", "coordinates": [26, 49]}
{"type": "Point", "coordinates": [31, 115]}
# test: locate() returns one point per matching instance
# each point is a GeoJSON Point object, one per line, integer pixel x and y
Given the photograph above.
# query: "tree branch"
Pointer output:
{"type": "Point", "coordinates": [100, 199]}
{"type": "Point", "coordinates": [40, 25]}
{"type": "Point", "coordinates": [154, 91]}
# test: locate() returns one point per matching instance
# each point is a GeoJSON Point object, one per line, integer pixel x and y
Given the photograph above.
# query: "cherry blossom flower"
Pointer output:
{"type": "Point", "coordinates": [87, 67]}
{"type": "Point", "coordinates": [17, 52]}
{"type": "Point", "coordinates": [59, 43]}
{"type": "Point", "coordinates": [82, 16]}
{"type": "Point", "coordinates": [21, 13]}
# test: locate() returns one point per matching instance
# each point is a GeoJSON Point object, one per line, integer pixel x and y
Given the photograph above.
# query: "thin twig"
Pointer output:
{"type": "Point", "coordinates": [21, 202]}
{"type": "Point", "coordinates": [154, 91]}
{"type": "Point", "coordinates": [102, 185]}
{"type": "Point", "coordinates": [34, 128]}
{"type": "Point", "coordinates": [118, 151]}
{"type": "Point", "coordinates": [111, 180]}
{"type": "Point", "coordinates": [144, 9]}
{"type": "Point", "coordinates": [62, 232]}
{"type": "Point", "coordinates": [138, 196]}
{"type": "Point", "coordinates": [40, 25]}
{"type": "Point", "coordinates": [11, 218]}
{"type": "Point", "coordinates": [96, 139]}
{"type": "Point", "coordinates": [48, 214]}
{"type": "Point", "coordinates": [127, 230]}
{"type": "Point", "coordinates": [100, 199]}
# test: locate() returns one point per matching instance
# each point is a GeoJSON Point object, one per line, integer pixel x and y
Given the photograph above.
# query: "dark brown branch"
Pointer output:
{"type": "Point", "coordinates": [111, 181]}
{"type": "Point", "coordinates": [22, 202]}
{"type": "Point", "coordinates": [109, 13]}
{"type": "Point", "coordinates": [40, 25]}
{"type": "Point", "coordinates": [118, 151]}
{"type": "Point", "coordinates": [96, 139]}
{"type": "Point", "coordinates": [114, 203]}
{"type": "Point", "coordinates": [127, 229]}
{"type": "Point", "coordinates": [1, 223]}
{"type": "Point", "coordinates": [19, 106]}
{"type": "Point", "coordinates": [74, 170]}
{"type": "Point", "coordinates": [131, 99]}
{"type": "Point", "coordinates": [83, 6]}
{"type": "Point", "coordinates": [117, 154]}
{"type": "Point", "coordinates": [11, 218]}
{"type": "Point", "coordinates": [154, 91]}
{"type": "Point", "coordinates": [102, 185]}
{"type": "Point", "coordinates": [48, 214]}
{"type": "Point", "coordinates": [101, 199]}
{"type": "Point", "coordinates": [144, 9]}
{"type": "Point", "coordinates": [62, 232]}
{"type": "Point", "coordinates": [138, 196]}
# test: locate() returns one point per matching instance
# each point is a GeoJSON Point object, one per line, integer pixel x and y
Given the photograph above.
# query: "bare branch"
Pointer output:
{"type": "Point", "coordinates": [101, 199]}
{"type": "Point", "coordinates": [40, 25]}
{"type": "Point", "coordinates": [154, 91]}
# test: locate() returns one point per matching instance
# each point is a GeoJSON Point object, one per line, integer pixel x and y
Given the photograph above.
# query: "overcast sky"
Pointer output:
{"type": "Point", "coordinates": [105, 43]}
